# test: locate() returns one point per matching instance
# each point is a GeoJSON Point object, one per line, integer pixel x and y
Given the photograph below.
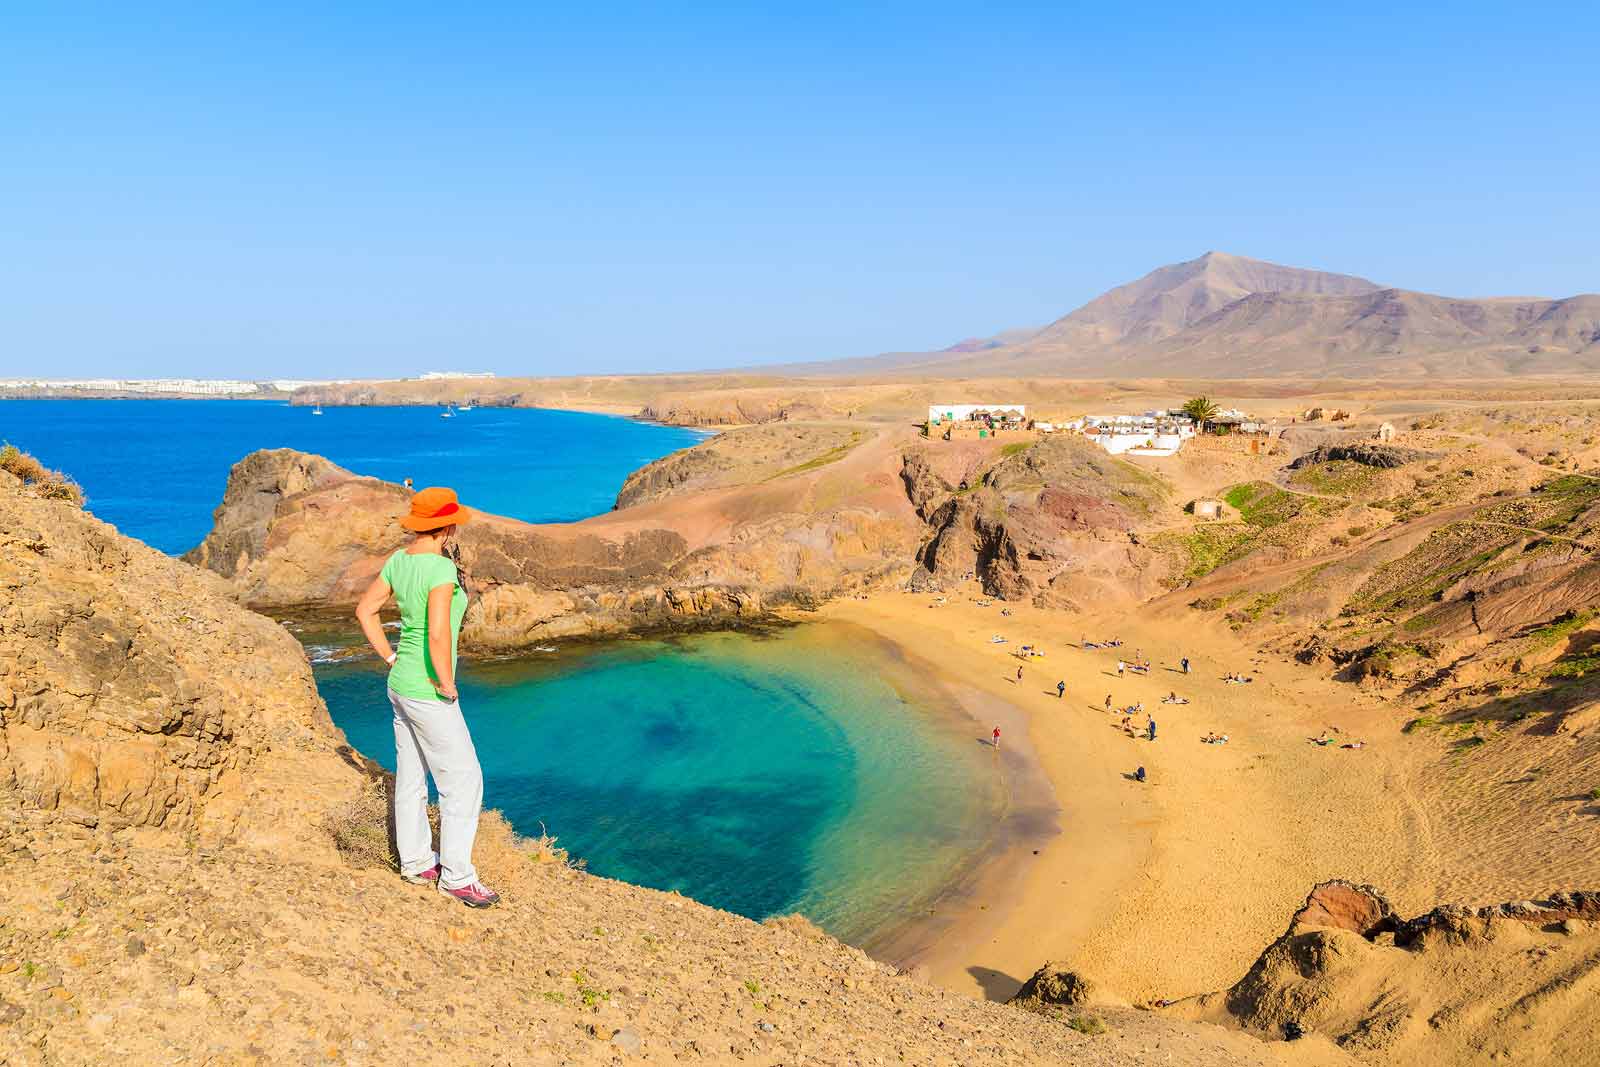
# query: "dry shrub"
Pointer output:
{"type": "Point", "coordinates": [363, 829]}
{"type": "Point", "coordinates": [363, 834]}
{"type": "Point", "coordinates": [797, 924]}
{"type": "Point", "coordinates": [44, 482]}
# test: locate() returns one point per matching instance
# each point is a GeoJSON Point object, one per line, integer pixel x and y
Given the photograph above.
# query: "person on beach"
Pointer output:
{"type": "Point", "coordinates": [996, 741]}
{"type": "Point", "coordinates": [1138, 775]}
{"type": "Point", "coordinates": [1019, 674]}
{"type": "Point", "coordinates": [1061, 690]}
{"type": "Point", "coordinates": [1150, 727]}
{"type": "Point", "coordinates": [430, 735]}
{"type": "Point", "coordinates": [1108, 701]}
{"type": "Point", "coordinates": [1185, 662]}
{"type": "Point", "coordinates": [1120, 666]}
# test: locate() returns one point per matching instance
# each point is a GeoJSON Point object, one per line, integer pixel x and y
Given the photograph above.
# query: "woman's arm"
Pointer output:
{"type": "Point", "coordinates": [367, 615]}
{"type": "Point", "coordinates": [444, 668]}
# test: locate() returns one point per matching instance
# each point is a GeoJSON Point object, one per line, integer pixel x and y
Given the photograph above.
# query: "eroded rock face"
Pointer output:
{"type": "Point", "coordinates": [1386, 457]}
{"type": "Point", "coordinates": [1053, 524]}
{"type": "Point", "coordinates": [1439, 988]}
{"type": "Point", "coordinates": [135, 693]}
{"type": "Point", "coordinates": [1342, 905]}
{"type": "Point", "coordinates": [709, 558]}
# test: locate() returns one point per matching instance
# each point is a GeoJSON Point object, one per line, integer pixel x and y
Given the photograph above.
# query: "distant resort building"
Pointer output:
{"type": "Point", "coordinates": [979, 422]}
{"type": "Point", "coordinates": [436, 375]}
{"type": "Point", "coordinates": [1155, 433]}
{"type": "Point", "coordinates": [1163, 433]}
{"type": "Point", "coordinates": [141, 386]}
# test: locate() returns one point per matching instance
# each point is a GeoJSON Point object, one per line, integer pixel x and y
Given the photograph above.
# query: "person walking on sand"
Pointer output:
{"type": "Point", "coordinates": [1185, 662]}
{"type": "Point", "coordinates": [1119, 668]}
{"type": "Point", "coordinates": [1108, 701]}
{"type": "Point", "coordinates": [1150, 727]}
{"type": "Point", "coordinates": [996, 741]}
{"type": "Point", "coordinates": [1061, 690]}
{"type": "Point", "coordinates": [430, 734]}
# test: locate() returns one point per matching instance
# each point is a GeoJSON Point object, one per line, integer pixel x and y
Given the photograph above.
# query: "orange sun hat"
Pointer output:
{"type": "Point", "coordinates": [434, 508]}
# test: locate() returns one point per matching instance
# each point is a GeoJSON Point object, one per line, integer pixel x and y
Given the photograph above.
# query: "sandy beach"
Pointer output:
{"type": "Point", "coordinates": [1172, 886]}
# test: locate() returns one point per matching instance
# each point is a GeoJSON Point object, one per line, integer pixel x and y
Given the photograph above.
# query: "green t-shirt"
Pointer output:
{"type": "Point", "coordinates": [411, 577]}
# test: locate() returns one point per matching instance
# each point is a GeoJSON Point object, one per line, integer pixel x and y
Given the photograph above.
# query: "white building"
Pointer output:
{"type": "Point", "coordinates": [1154, 433]}
{"type": "Point", "coordinates": [434, 375]}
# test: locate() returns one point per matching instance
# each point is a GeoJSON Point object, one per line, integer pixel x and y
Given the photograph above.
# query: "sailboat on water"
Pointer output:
{"type": "Point", "coordinates": [448, 412]}
{"type": "Point", "coordinates": [317, 410]}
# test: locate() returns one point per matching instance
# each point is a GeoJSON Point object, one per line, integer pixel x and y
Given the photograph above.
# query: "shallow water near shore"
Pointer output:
{"type": "Point", "coordinates": [804, 769]}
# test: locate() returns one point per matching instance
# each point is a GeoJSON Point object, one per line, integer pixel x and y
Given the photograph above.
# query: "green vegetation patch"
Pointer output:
{"type": "Point", "coordinates": [1339, 477]}
{"type": "Point", "coordinates": [832, 455]}
{"type": "Point", "coordinates": [1015, 448]}
{"type": "Point", "coordinates": [1258, 606]}
{"type": "Point", "coordinates": [1421, 575]}
{"type": "Point", "coordinates": [1562, 626]}
{"type": "Point", "coordinates": [1265, 505]}
{"type": "Point", "coordinates": [1577, 665]}
{"type": "Point", "coordinates": [1199, 551]}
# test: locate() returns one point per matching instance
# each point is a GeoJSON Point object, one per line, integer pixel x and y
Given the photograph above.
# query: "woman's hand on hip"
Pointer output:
{"type": "Point", "coordinates": [447, 691]}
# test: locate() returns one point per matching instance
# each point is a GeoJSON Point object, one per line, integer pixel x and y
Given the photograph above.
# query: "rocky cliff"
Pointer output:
{"type": "Point", "coordinates": [134, 693]}
{"type": "Point", "coordinates": [758, 533]}
{"type": "Point", "coordinates": [1054, 523]}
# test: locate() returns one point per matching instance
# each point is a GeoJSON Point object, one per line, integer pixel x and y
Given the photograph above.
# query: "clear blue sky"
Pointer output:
{"type": "Point", "coordinates": [378, 189]}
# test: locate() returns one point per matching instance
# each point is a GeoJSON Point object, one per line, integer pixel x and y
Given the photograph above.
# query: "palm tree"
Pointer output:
{"type": "Point", "coordinates": [1200, 409]}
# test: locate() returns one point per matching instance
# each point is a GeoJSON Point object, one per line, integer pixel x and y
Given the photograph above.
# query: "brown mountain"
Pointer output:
{"type": "Point", "coordinates": [1228, 316]}
{"type": "Point", "coordinates": [1170, 299]}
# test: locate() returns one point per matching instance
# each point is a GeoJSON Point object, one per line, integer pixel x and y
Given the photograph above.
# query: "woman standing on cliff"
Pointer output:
{"type": "Point", "coordinates": [430, 735]}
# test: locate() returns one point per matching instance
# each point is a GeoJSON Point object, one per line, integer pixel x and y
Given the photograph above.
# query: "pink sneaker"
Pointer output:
{"type": "Point", "coordinates": [475, 895]}
{"type": "Point", "coordinates": [427, 877]}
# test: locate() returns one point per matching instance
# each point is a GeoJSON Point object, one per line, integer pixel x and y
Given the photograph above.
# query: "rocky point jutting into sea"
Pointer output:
{"type": "Point", "coordinates": [739, 528]}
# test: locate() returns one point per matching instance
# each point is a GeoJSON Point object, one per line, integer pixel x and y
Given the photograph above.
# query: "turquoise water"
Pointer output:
{"type": "Point", "coordinates": [155, 469]}
{"type": "Point", "coordinates": [802, 770]}
{"type": "Point", "coordinates": [799, 770]}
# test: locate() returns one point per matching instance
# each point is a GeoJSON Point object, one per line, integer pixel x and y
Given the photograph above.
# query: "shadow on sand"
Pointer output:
{"type": "Point", "coordinates": [997, 985]}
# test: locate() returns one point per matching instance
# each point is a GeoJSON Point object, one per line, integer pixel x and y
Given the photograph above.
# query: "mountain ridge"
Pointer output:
{"type": "Point", "coordinates": [1235, 316]}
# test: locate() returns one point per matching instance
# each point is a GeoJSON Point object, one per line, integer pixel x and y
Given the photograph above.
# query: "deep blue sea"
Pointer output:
{"type": "Point", "coordinates": [803, 769]}
{"type": "Point", "coordinates": [155, 469]}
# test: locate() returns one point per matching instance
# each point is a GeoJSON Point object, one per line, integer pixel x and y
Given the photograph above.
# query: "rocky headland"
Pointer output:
{"type": "Point", "coordinates": [735, 530]}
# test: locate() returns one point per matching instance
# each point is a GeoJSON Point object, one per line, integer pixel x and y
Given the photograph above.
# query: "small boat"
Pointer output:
{"type": "Point", "coordinates": [317, 410]}
{"type": "Point", "coordinates": [544, 648]}
{"type": "Point", "coordinates": [464, 407]}
{"type": "Point", "coordinates": [447, 413]}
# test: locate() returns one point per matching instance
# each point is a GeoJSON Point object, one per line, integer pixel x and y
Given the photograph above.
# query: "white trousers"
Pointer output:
{"type": "Point", "coordinates": [431, 738]}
